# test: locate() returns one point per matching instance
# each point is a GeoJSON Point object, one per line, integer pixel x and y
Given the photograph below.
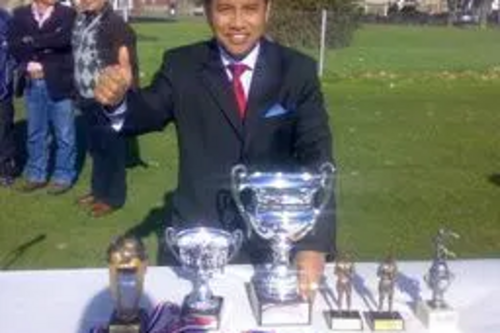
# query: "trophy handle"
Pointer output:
{"type": "Point", "coordinates": [236, 241]}
{"type": "Point", "coordinates": [327, 171]}
{"type": "Point", "coordinates": [239, 172]}
{"type": "Point", "coordinates": [171, 240]}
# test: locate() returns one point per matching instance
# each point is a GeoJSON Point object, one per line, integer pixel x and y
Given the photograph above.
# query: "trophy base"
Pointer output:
{"type": "Point", "coordinates": [385, 321]}
{"type": "Point", "coordinates": [272, 313]}
{"type": "Point", "coordinates": [138, 325]}
{"type": "Point", "coordinates": [344, 320]}
{"type": "Point", "coordinates": [437, 319]}
{"type": "Point", "coordinates": [203, 319]}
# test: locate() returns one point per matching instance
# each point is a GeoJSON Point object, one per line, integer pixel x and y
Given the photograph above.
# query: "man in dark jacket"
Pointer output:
{"type": "Point", "coordinates": [237, 98]}
{"type": "Point", "coordinates": [98, 35]}
{"type": "Point", "coordinates": [7, 144]}
{"type": "Point", "coordinates": [40, 40]}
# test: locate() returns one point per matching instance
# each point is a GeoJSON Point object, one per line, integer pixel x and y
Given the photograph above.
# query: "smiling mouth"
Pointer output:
{"type": "Point", "coordinates": [238, 38]}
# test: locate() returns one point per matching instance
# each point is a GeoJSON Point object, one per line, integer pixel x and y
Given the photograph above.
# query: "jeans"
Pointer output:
{"type": "Point", "coordinates": [7, 144]}
{"type": "Point", "coordinates": [43, 112]}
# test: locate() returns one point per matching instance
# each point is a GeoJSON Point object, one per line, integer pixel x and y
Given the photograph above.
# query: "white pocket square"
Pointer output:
{"type": "Point", "coordinates": [275, 110]}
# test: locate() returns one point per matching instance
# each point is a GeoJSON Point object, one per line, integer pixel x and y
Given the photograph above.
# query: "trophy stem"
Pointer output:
{"type": "Point", "coordinates": [201, 296]}
{"type": "Point", "coordinates": [281, 253]}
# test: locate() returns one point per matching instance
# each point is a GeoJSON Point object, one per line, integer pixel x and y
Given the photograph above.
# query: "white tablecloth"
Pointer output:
{"type": "Point", "coordinates": [67, 301]}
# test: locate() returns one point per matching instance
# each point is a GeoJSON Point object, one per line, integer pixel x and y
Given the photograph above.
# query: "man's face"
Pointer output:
{"type": "Point", "coordinates": [238, 24]}
{"type": "Point", "coordinates": [91, 5]}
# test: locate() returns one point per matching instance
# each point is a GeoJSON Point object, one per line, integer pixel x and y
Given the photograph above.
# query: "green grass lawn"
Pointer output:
{"type": "Point", "coordinates": [415, 117]}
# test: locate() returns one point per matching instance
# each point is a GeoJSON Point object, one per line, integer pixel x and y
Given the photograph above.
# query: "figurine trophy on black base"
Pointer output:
{"type": "Point", "coordinates": [386, 320]}
{"type": "Point", "coordinates": [344, 319]}
{"type": "Point", "coordinates": [436, 313]}
{"type": "Point", "coordinates": [282, 208]}
{"type": "Point", "coordinates": [127, 267]}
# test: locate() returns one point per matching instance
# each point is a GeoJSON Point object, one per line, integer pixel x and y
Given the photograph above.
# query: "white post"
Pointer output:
{"type": "Point", "coordinates": [324, 19]}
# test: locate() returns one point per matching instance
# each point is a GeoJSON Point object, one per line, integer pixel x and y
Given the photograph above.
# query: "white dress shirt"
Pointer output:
{"type": "Point", "coordinates": [249, 61]}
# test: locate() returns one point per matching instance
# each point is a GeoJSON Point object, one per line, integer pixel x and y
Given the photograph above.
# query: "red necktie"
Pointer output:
{"type": "Point", "coordinates": [237, 71]}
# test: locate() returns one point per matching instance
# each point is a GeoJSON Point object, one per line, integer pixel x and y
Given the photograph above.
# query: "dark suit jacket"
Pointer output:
{"type": "Point", "coordinates": [112, 34]}
{"type": "Point", "coordinates": [51, 46]}
{"type": "Point", "coordinates": [192, 90]}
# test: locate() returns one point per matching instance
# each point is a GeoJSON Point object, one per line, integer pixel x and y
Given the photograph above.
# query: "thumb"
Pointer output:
{"type": "Point", "coordinates": [124, 63]}
{"type": "Point", "coordinates": [123, 56]}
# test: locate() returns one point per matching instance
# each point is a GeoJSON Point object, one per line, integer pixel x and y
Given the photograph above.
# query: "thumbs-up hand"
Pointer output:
{"type": "Point", "coordinates": [114, 81]}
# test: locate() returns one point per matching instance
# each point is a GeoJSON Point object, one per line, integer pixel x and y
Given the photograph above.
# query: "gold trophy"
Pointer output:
{"type": "Point", "coordinates": [127, 261]}
{"type": "Point", "coordinates": [388, 320]}
{"type": "Point", "coordinates": [344, 318]}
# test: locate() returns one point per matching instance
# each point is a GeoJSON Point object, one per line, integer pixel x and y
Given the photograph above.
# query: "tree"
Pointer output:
{"type": "Point", "coordinates": [298, 22]}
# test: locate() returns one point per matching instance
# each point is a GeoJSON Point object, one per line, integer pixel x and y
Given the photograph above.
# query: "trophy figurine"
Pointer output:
{"type": "Point", "coordinates": [203, 252]}
{"type": "Point", "coordinates": [386, 320]}
{"type": "Point", "coordinates": [127, 267]}
{"type": "Point", "coordinates": [436, 313]}
{"type": "Point", "coordinates": [282, 208]}
{"type": "Point", "coordinates": [344, 319]}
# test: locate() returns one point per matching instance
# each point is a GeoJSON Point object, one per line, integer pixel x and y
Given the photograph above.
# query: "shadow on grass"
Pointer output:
{"type": "Point", "coordinates": [10, 258]}
{"type": "Point", "coordinates": [155, 223]}
{"type": "Point", "coordinates": [494, 179]}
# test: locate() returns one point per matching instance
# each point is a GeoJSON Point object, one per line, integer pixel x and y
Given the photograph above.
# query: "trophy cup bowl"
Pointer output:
{"type": "Point", "coordinates": [203, 252]}
{"type": "Point", "coordinates": [127, 267]}
{"type": "Point", "coordinates": [282, 208]}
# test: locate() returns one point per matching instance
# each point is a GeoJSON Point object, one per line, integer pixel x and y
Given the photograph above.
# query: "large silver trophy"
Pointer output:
{"type": "Point", "coordinates": [436, 313]}
{"type": "Point", "coordinates": [202, 253]}
{"type": "Point", "coordinates": [282, 208]}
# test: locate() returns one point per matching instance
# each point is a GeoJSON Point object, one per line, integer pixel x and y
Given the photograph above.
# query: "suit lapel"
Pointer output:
{"type": "Point", "coordinates": [215, 80]}
{"type": "Point", "coordinates": [264, 89]}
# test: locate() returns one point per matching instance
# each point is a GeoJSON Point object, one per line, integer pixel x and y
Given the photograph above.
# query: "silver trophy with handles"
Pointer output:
{"type": "Point", "coordinates": [281, 208]}
{"type": "Point", "coordinates": [203, 252]}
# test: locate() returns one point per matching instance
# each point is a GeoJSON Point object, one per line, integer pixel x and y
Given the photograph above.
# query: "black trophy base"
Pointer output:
{"type": "Point", "coordinates": [344, 320]}
{"type": "Point", "coordinates": [385, 321]}
{"type": "Point", "coordinates": [272, 313]}
{"type": "Point", "coordinates": [138, 325]}
{"type": "Point", "coordinates": [203, 319]}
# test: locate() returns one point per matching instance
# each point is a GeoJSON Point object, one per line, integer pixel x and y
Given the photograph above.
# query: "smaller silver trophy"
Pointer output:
{"type": "Point", "coordinates": [202, 253]}
{"type": "Point", "coordinates": [386, 319]}
{"type": "Point", "coordinates": [436, 313]}
{"type": "Point", "coordinates": [344, 318]}
{"type": "Point", "coordinates": [282, 208]}
{"type": "Point", "coordinates": [128, 262]}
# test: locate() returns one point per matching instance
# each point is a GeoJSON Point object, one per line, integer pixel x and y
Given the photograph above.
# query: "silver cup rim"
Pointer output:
{"type": "Point", "coordinates": [215, 232]}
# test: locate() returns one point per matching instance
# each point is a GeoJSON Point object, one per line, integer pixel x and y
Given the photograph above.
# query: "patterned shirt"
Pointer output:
{"type": "Point", "coordinates": [85, 52]}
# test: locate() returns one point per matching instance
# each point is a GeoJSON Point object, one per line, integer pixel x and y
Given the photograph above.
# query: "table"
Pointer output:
{"type": "Point", "coordinates": [67, 301]}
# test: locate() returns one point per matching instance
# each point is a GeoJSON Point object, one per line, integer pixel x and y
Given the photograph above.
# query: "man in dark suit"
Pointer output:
{"type": "Point", "coordinates": [235, 99]}
{"type": "Point", "coordinates": [40, 40]}
{"type": "Point", "coordinates": [97, 36]}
